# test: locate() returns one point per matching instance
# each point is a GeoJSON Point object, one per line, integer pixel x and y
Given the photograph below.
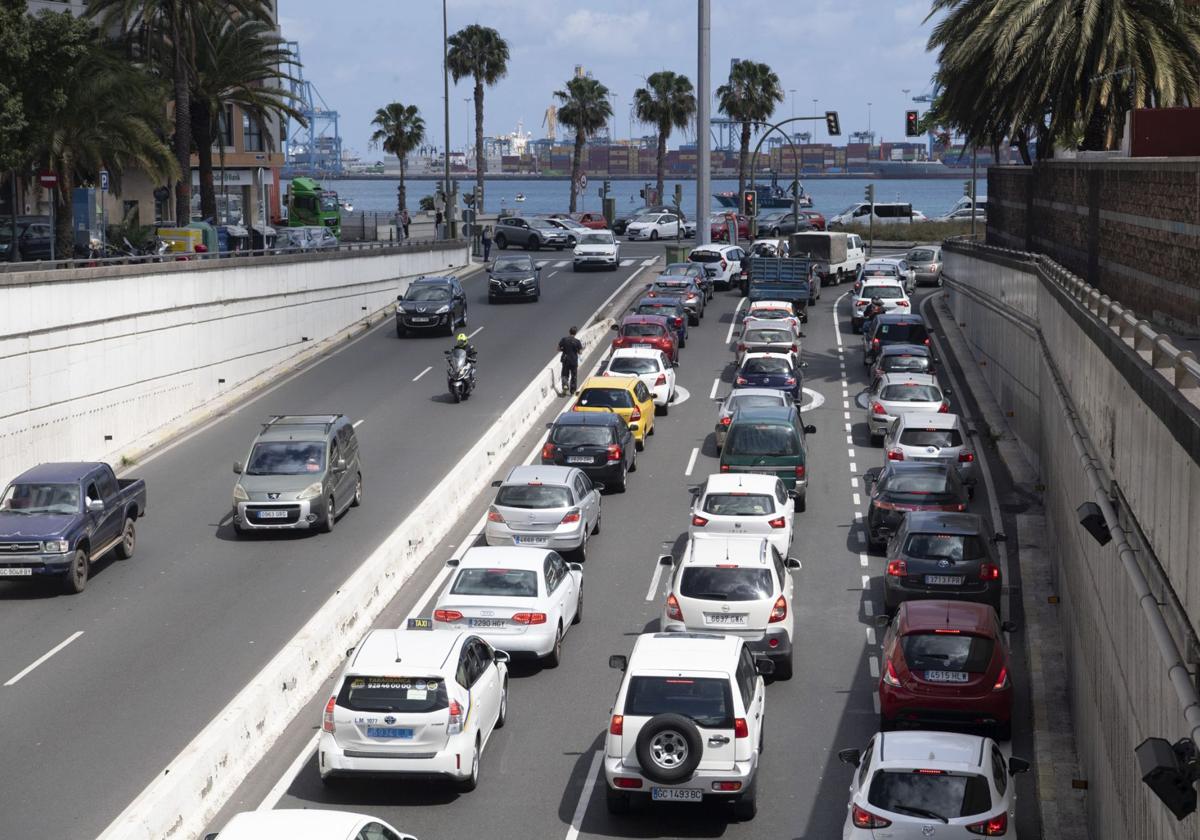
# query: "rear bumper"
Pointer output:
{"type": "Point", "coordinates": [594, 259]}
{"type": "Point", "coordinates": [450, 763]}
{"type": "Point", "coordinates": [499, 291]}
{"type": "Point", "coordinates": [907, 707]}
{"type": "Point", "coordinates": [878, 423]}
{"type": "Point", "coordinates": [896, 591]}
{"type": "Point", "coordinates": [537, 640]}
{"type": "Point", "coordinates": [742, 772]}
{"type": "Point", "coordinates": [775, 644]}
{"type": "Point", "coordinates": [561, 539]}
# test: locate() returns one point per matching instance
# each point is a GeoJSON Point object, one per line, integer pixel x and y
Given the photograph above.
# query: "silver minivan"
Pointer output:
{"type": "Point", "coordinates": [545, 506]}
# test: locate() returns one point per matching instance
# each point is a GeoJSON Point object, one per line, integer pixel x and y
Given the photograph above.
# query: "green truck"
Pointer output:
{"type": "Point", "coordinates": [308, 204]}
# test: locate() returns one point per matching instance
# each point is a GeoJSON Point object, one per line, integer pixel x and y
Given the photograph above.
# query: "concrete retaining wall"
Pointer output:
{"type": "Point", "coordinates": [1146, 435]}
{"type": "Point", "coordinates": [92, 361]}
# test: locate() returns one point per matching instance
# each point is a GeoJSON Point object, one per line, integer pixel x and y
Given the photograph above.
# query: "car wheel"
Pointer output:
{"type": "Point", "coordinates": [554, 658]}
{"type": "Point", "coordinates": [617, 802]}
{"type": "Point", "coordinates": [802, 503]}
{"type": "Point", "coordinates": [653, 236]}
{"type": "Point", "coordinates": [503, 715]}
{"type": "Point", "coordinates": [669, 748]}
{"type": "Point", "coordinates": [578, 608]}
{"type": "Point", "coordinates": [77, 575]}
{"type": "Point", "coordinates": [596, 527]}
{"type": "Point", "coordinates": [327, 524]}
{"type": "Point", "coordinates": [128, 540]}
{"type": "Point", "coordinates": [357, 500]}
{"type": "Point", "coordinates": [633, 462]}
{"type": "Point", "coordinates": [624, 482]}
{"type": "Point", "coordinates": [746, 808]}
{"type": "Point", "coordinates": [663, 409]}
{"type": "Point", "coordinates": [472, 781]}
{"type": "Point", "coordinates": [533, 244]}
{"type": "Point", "coordinates": [400, 331]}
{"type": "Point", "coordinates": [783, 669]}
{"type": "Point", "coordinates": [501, 242]}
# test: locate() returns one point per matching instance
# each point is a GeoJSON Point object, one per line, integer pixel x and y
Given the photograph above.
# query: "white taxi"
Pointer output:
{"type": "Point", "coordinates": [306, 824]}
{"type": "Point", "coordinates": [649, 365]}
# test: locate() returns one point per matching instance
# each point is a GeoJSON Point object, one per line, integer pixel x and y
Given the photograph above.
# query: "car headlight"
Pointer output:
{"type": "Point", "coordinates": [526, 279]}
{"type": "Point", "coordinates": [310, 492]}
{"type": "Point", "coordinates": [443, 310]}
{"type": "Point", "coordinates": [240, 494]}
{"type": "Point", "coordinates": [56, 546]}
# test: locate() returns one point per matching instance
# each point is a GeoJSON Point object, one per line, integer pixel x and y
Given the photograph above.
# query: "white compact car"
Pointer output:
{"type": "Point", "coordinates": [780, 311]}
{"type": "Point", "coordinates": [649, 365]}
{"type": "Point", "coordinates": [687, 724]}
{"type": "Point", "coordinates": [744, 504]}
{"type": "Point", "coordinates": [544, 506]}
{"type": "Point", "coordinates": [917, 785]}
{"type": "Point", "coordinates": [726, 259]}
{"type": "Point", "coordinates": [306, 824]}
{"type": "Point", "coordinates": [519, 600]}
{"type": "Point", "coordinates": [891, 293]}
{"type": "Point", "coordinates": [894, 394]}
{"type": "Point", "coordinates": [597, 249]}
{"type": "Point", "coordinates": [654, 226]}
{"type": "Point", "coordinates": [906, 271]}
{"type": "Point", "coordinates": [418, 702]}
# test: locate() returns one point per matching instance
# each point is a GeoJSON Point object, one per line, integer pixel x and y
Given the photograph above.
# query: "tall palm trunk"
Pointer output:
{"type": "Point", "coordinates": [64, 215]}
{"type": "Point", "coordinates": [576, 164]}
{"type": "Point", "coordinates": [743, 164]}
{"type": "Point", "coordinates": [403, 189]}
{"type": "Point", "coordinates": [202, 133]}
{"type": "Point", "coordinates": [183, 122]}
{"type": "Point", "coordinates": [662, 162]}
{"type": "Point", "coordinates": [478, 148]}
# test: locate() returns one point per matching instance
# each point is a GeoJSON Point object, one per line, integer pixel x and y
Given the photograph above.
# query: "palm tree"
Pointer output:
{"type": "Point", "coordinates": [749, 97]}
{"type": "Point", "coordinates": [399, 130]}
{"type": "Point", "coordinates": [239, 62]}
{"type": "Point", "coordinates": [479, 52]}
{"type": "Point", "coordinates": [161, 31]}
{"type": "Point", "coordinates": [666, 102]}
{"type": "Point", "coordinates": [583, 106]}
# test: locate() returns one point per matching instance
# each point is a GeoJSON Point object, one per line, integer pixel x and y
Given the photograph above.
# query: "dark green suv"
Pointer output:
{"type": "Point", "coordinates": [769, 439]}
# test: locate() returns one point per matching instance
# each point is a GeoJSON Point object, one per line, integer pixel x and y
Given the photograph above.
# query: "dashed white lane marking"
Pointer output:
{"type": "Point", "coordinates": [733, 323]}
{"type": "Point", "coordinates": [712, 395]}
{"type": "Point", "coordinates": [562, 263]}
{"type": "Point", "coordinates": [873, 665]}
{"type": "Point", "coordinates": [866, 581]}
{"type": "Point", "coordinates": [358, 422]}
{"type": "Point", "coordinates": [422, 373]}
{"type": "Point", "coordinates": [849, 439]}
{"type": "Point", "coordinates": [858, 516]}
{"type": "Point", "coordinates": [477, 331]}
{"type": "Point", "coordinates": [692, 460]}
{"type": "Point", "coordinates": [856, 499]}
{"type": "Point", "coordinates": [871, 636]}
{"type": "Point", "coordinates": [626, 263]}
{"type": "Point", "coordinates": [652, 592]}
{"type": "Point", "coordinates": [589, 783]}
{"type": "Point", "coordinates": [853, 469]}
{"type": "Point", "coordinates": [846, 404]}
{"type": "Point", "coordinates": [850, 452]}
{"type": "Point", "coordinates": [862, 559]}
{"type": "Point", "coordinates": [846, 415]}
{"type": "Point", "coordinates": [649, 262]}
{"type": "Point", "coordinates": [44, 657]}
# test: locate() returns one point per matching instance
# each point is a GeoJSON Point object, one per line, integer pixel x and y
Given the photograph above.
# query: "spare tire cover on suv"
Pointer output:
{"type": "Point", "coordinates": [669, 748]}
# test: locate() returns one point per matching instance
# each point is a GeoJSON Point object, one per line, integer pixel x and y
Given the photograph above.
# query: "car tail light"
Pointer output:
{"type": "Point", "coordinates": [741, 380]}
{"type": "Point", "coordinates": [897, 568]}
{"type": "Point", "coordinates": [699, 521]}
{"type": "Point", "coordinates": [679, 322]}
{"type": "Point", "coordinates": [863, 818]}
{"type": "Point", "coordinates": [989, 571]}
{"type": "Point", "coordinates": [673, 611]}
{"type": "Point", "coordinates": [548, 450]}
{"type": "Point", "coordinates": [623, 782]}
{"type": "Point", "coordinates": [877, 408]}
{"type": "Point", "coordinates": [800, 471]}
{"type": "Point", "coordinates": [889, 675]}
{"type": "Point", "coordinates": [778, 522]}
{"type": "Point", "coordinates": [860, 303]}
{"type": "Point", "coordinates": [727, 787]}
{"type": "Point", "coordinates": [651, 294]}
{"type": "Point", "coordinates": [529, 618]}
{"type": "Point", "coordinates": [616, 726]}
{"type": "Point", "coordinates": [724, 468]}
{"type": "Point", "coordinates": [874, 342]}
{"type": "Point", "coordinates": [569, 517]}
{"type": "Point", "coordinates": [662, 379]}
{"type": "Point", "coordinates": [454, 723]}
{"type": "Point", "coordinates": [895, 455]}
{"type": "Point", "coordinates": [1001, 681]}
{"type": "Point", "coordinates": [724, 265]}
{"type": "Point", "coordinates": [966, 457]}
{"type": "Point", "coordinates": [614, 452]}
{"type": "Point", "coordinates": [327, 724]}
{"type": "Point", "coordinates": [795, 348]}
{"type": "Point", "coordinates": [636, 415]}
{"type": "Point", "coordinates": [927, 342]}
{"type": "Point", "coordinates": [945, 408]}
{"type": "Point", "coordinates": [779, 611]}
{"type": "Point", "coordinates": [791, 380]}
{"type": "Point", "coordinates": [725, 421]}
{"type": "Point", "coordinates": [740, 729]}
{"type": "Point", "coordinates": [903, 303]}
{"type": "Point", "coordinates": [446, 615]}
{"type": "Point", "coordinates": [494, 516]}
{"type": "Point", "coordinates": [997, 826]}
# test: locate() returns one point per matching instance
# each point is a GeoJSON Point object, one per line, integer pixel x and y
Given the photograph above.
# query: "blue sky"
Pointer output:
{"type": "Point", "coordinates": [844, 53]}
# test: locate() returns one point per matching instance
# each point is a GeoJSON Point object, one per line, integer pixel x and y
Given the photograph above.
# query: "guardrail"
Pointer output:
{"type": "Point", "coordinates": [1178, 366]}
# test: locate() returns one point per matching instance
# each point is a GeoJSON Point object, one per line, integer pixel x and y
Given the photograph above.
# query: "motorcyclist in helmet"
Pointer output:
{"type": "Point", "coordinates": [461, 343]}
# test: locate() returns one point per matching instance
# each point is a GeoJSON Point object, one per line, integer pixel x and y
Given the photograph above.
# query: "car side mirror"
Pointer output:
{"type": "Point", "coordinates": [765, 667]}
{"type": "Point", "coordinates": [575, 567]}
{"type": "Point", "coordinates": [618, 661]}
{"type": "Point", "coordinates": [452, 562]}
{"type": "Point", "coordinates": [810, 430]}
{"type": "Point", "coordinates": [948, 392]}
{"type": "Point", "coordinates": [340, 466]}
{"type": "Point", "coordinates": [616, 327]}
{"type": "Point", "coordinates": [999, 537]}
{"type": "Point", "coordinates": [871, 476]}
{"type": "Point", "coordinates": [1018, 765]}
{"type": "Point", "coordinates": [1008, 626]}
{"type": "Point", "coordinates": [237, 467]}
{"type": "Point", "coordinates": [96, 506]}
{"type": "Point", "coordinates": [881, 621]}
{"type": "Point", "coordinates": [599, 485]}
{"type": "Point", "coordinates": [791, 563]}
{"type": "Point", "coordinates": [497, 483]}
{"type": "Point", "coordinates": [852, 757]}
{"type": "Point", "coordinates": [665, 559]}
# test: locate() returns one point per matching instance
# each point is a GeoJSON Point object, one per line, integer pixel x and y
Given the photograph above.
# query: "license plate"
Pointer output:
{"type": "Point", "coordinates": [579, 459]}
{"type": "Point", "coordinates": [944, 580]}
{"type": "Point", "coordinates": [529, 540]}
{"type": "Point", "coordinates": [420, 320]}
{"type": "Point", "coordinates": [725, 618]}
{"type": "Point", "coordinates": [948, 676]}
{"type": "Point", "coordinates": [676, 794]}
{"type": "Point", "coordinates": [272, 514]}
{"type": "Point", "coordinates": [513, 289]}
{"type": "Point", "coordinates": [388, 732]}
{"type": "Point", "coordinates": [15, 571]}
{"type": "Point", "coordinates": [487, 622]}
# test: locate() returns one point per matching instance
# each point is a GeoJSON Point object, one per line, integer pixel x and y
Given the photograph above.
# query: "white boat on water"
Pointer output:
{"type": "Point", "coordinates": [520, 197]}
{"type": "Point", "coordinates": [347, 205]}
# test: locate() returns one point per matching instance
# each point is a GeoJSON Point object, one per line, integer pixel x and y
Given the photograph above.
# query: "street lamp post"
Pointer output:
{"type": "Point", "coordinates": [818, 128]}
{"type": "Point", "coordinates": [792, 91]}
{"type": "Point", "coordinates": [703, 131]}
{"type": "Point", "coordinates": [870, 134]}
{"type": "Point", "coordinates": [446, 114]}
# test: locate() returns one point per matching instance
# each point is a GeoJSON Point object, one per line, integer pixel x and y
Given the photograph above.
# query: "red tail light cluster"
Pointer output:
{"type": "Point", "coordinates": [779, 611]}
{"type": "Point", "coordinates": [494, 516]}
{"type": "Point", "coordinates": [966, 457]}
{"type": "Point", "coordinates": [945, 408]}
{"type": "Point", "coordinates": [699, 521]}
{"type": "Point", "coordinates": [614, 452]}
{"type": "Point", "coordinates": [778, 522]}
{"type": "Point", "coordinates": [548, 450]}
{"type": "Point", "coordinates": [327, 719]}
{"type": "Point", "coordinates": [679, 322]}
{"type": "Point", "coordinates": [897, 568]}
{"type": "Point", "coordinates": [989, 571]}
{"type": "Point", "coordinates": [903, 303]}
{"type": "Point", "coordinates": [570, 516]}
{"type": "Point", "coordinates": [529, 618]}
{"type": "Point", "coordinates": [889, 675]}
{"type": "Point", "coordinates": [895, 455]}
{"type": "Point", "coordinates": [662, 379]}
{"type": "Point", "coordinates": [863, 818]}
{"type": "Point", "coordinates": [447, 615]}
{"type": "Point", "coordinates": [673, 611]}
{"type": "Point", "coordinates": [1001, 681]}
{"type": "Point", "coordinates": [997, 826]}
{"type": "Point", "coordinates": [740, 729]}
{"type": "Point", "coordinates": [616, 726]}
{"type": "Point", "coordinates": [877, 408]}
{"type": "Point", "coordinates": [741, 380]}
{"type": "Point", "coordinates": [636, 415]}
{"type": "Point", "coordinates": [725, 421]}
{"type": "Point", "coordinates": [800, 471]}
{"type": "Point", "coordinates": [454, 722]}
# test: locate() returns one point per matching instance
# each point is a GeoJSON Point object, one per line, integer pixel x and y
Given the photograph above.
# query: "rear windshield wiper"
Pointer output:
{"type": "Point", "coordinates": [919, 812]}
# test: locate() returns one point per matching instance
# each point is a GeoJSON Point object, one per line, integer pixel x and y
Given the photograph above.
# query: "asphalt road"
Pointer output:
{"type": "Point", "coordinates": [159, 644]}
{"type": "Point", "coordinates": [541, 774]}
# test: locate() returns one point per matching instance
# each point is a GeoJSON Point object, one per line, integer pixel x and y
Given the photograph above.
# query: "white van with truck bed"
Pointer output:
{"type": "Point", "coordinates": [836, 256]}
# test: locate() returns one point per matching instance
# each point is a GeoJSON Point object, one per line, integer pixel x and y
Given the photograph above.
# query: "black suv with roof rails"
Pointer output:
{"type": "Point", "coordinates": [432, 303]}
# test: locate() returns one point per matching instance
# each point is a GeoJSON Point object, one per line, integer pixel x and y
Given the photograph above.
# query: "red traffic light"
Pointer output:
{"type": "Point", "coordinates": [911, 128]}
{"type": "Point", "coordinates": [750, 202]}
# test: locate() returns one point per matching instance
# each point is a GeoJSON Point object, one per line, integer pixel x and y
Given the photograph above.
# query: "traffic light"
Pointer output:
{"type": "Point", "coordinates": [750, 202]}
{"type": "Point", "coordinates": [967, 188]}
{"type": "Point", "coordinates": [869, 194]}
{"type": "Point", "coordinates": [607, 186]}
{"type": "Point", "coordinates": [911, 128]}
{"type": "Point", "coordinates": [831, 124]}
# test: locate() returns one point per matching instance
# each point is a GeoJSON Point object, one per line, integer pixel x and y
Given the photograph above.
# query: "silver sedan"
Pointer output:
{"type": "Point", "coordinates": [894, 394]}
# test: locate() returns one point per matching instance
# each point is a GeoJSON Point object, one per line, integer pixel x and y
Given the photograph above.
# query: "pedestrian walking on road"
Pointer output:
{"type": "Point", "coordinates": [437, 224]}
{"type": "Point", "coordinates": [405, 221]}
{"type": "Point", "coordinates": [571, 349]}
{"type": "Point", "coordinates": [486, 240]}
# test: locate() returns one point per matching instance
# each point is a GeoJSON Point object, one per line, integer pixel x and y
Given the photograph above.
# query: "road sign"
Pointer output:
{"type": "Point", "coordinates": [583, 180]}
{"type": "Point", "coordinates": [47, 178]}
{"type": "Point", "coordinates": [103, 180]}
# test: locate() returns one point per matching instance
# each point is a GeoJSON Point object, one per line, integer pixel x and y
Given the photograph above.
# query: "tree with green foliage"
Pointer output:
{"type": "Point", "coordinates": [479, 52]}
{"type": "Point", "coordinates": [399, 129]}
{"type": "Point", "coordinates": [584, 107]}
{"type": "Point", "coordinates": [749, 97]}
{"type": "Point", "coordinates": [668, 101]}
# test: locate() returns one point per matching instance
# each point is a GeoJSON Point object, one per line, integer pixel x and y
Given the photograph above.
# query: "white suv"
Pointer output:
{"type": "Point", "coordinates": [726, 259]}
{"type": "Point", "coordinates": [687, 724]}
{"type": "Point", "coordinates": [744, 505]}
{"type": "Point", "coordinates": [914, 784]}
{"type": "Point", "coordinates": [735, 585]}
{"type": "Point", "coordinates": [649, 365]}
{"type": "Point", "coordinates": [417, 702]}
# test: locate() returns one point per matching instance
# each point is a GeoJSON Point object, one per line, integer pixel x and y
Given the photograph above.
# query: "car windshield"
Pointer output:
{"type": "Point", "coordinates": [941, 438]}
{"type": "Point", "coordinates": [922, 793]}
{"type": "Point", "coordinates": [329, 203]}
{"type": "Point", "coordinates": [739, 504]}
{"type": "Point", "coordinates": [513, 263]}
{"type": "Point", "coordinates": [542, 223]}
{"type": "Point", "coordinates": [533, 496]}
{"type": "Point", "coordinates": [633, 365]}
{"type": "Point", "coordinates": [764, 249]}
{"type": "Point", "coordinates": [918, 483]}
{"type": "Point", "coordinates": [921, 255]}
{"type": "Point", "coordinates": [947, 652]}
{"type": "Point", "coordinates": [767, 366]}
{"type": "Point", "coordinates": [606, 398]}
{"type": "Point", "coordinates": [707, 701]}
{"type": "Point", "coordinates": [287, 457]}
{"type": "Point", "coordinates": [911, 392]}
{"type": "Point", "coordinates": [739, 401]}
{"type": "Point", "coordinates": [424, 291]}
{"type": "Point", "coordinates": [718, 584]}
{"type": "Point", "coordinates": [768, 337]}
{"type": "Point", "coordinates": [405, 695]}
{"type": "Point", "coordinates": [644, 330]}
{"type": "Point", "coordinates": [903, 333]}
{"type": "Point", "coordinates": [596, 239]}
{"type": "Point", "coordinates": [41, 498]}
{"type": "Point", "coordinates": [581, 435]}
{"type": "Point", "coordinates": [762, 439]}
{"type": "Point", "coordinates": [649, 218]}
{"type": "Point", "coordinates": [516, 583]}
{"type": "Point", "coordinates": [883, 292]}
{"type": "Point", "coordinates": [944, 547]}
{"type": "Point", "coordinates": [906, 362]}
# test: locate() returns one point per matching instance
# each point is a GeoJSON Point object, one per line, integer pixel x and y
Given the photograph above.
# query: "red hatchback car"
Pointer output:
{"type": "Point", "coordinates": [719, 231]}
{"type": "Point", "coordinates": [946, 664]}
{"type": "Point", "coordinates": [648, 331]}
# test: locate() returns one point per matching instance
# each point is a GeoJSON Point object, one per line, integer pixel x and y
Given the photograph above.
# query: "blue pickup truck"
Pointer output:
{"type": "Point", "coordinates": [58, 519]}
{"type": "Point", "coordinates": [787, 279]}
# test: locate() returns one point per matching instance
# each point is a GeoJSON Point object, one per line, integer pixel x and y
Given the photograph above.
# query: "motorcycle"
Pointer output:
{"type": "Point", "coordinates": [460, 373]}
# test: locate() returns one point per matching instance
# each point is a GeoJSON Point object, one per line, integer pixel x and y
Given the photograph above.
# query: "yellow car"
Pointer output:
{"type": "Point", "coordinates": [626, 396]}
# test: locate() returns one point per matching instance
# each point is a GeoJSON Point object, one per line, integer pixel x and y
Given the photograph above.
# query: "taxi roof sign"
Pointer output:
{"type": "Point", "coordinates": [420, 624]}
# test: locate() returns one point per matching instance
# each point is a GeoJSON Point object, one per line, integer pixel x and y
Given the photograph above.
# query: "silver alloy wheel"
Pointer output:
{"type": "Point", "coordinates": [668, 749]}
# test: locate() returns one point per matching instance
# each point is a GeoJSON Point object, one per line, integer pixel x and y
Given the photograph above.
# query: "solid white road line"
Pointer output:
{"type": "Point", "coordinates": [285, 781]}
{"type": "Point", "coordinates": [652, 592]}
{"type": "Point", "coordinates": [45, 656]}
{"type": "Point", "coordinates": [589, 784]}
{"type": "Point", "coordinates": [712, 395]}
{"type": "Point", "coordinates": [422, 373]}
{"type": "Point", "coordinates": [733, 323]}
{"type": "Point", "coordinates": [837, 330]}
{"type": "Point", "coordinates": [692, 460]}
{"type": "Point", "coordinates": [477, 331]}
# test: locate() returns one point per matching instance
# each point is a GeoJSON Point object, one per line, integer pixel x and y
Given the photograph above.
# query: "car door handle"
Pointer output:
{"type": "Point", "coordinates": [718, 739]}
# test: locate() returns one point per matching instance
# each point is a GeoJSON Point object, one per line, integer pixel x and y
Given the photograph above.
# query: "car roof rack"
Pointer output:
{"type": "Point", "coordinates": [326, 420]}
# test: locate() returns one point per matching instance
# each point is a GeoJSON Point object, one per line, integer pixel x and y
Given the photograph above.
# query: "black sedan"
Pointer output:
{"type": "Point", "coordinates": [902, 487]}
{"type": "Point", "coordinates": [943, 555]}
{"type": "Point", "coordinates": [598, 443]}
{"type": "Point", "coordinates": [514, 277]}
{"type": "Point", "coordinates": [770, 370]}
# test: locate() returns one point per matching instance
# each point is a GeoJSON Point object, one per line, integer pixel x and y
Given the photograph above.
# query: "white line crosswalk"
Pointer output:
{"type": "Point", "coordinates": [626, 263]}
{"type": "Point", "coordinates": [561, 263]}
{"type": "Point", "coordinates": [650, 261]}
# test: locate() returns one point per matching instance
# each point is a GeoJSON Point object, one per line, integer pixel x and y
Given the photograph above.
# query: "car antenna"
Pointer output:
{"type": "Point", "coordinates": [396, 644]}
